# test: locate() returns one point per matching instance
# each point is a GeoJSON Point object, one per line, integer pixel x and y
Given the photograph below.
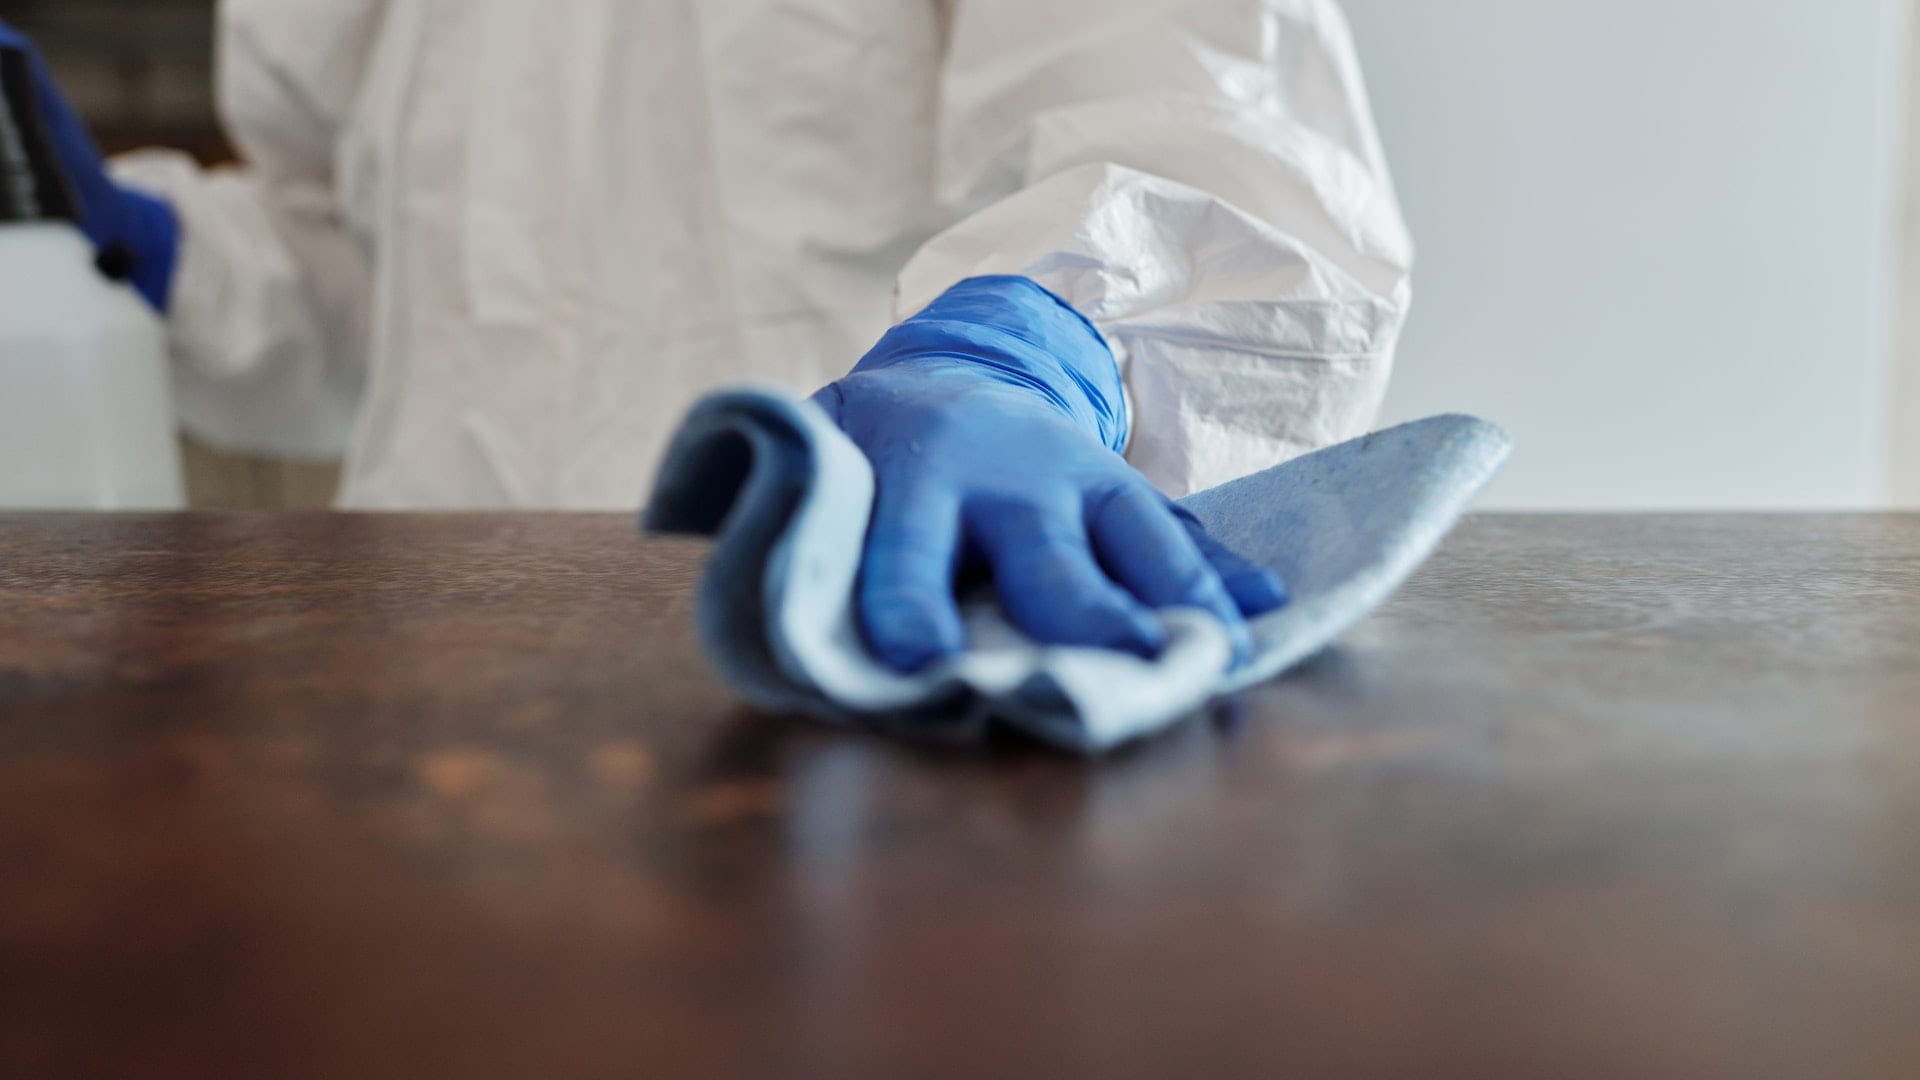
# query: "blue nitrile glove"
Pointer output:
{"type": "Point", "coordinates": [136, 236]}
{"type": "Point", "coordinates": [994, 421]}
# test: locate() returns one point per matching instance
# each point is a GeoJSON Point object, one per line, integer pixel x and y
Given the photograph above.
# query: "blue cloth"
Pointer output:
{"type": "Point", "coordinates": [136, 235]}
{"type": "Point", "coordinates": [787, 497]}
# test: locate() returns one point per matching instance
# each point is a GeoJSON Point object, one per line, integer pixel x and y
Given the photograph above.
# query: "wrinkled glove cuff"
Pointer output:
{"type": "Point", "coordinates": [1018, 332]}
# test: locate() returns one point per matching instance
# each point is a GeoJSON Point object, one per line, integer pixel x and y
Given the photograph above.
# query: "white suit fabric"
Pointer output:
{"type": "Point", "coordinates": [493, 249]}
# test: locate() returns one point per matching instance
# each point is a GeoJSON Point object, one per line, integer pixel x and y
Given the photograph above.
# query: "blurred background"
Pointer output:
{"type": "Point", "coordinates": [1662, 240]}
{"type": "Point", "coordinates": [140, 69]}
{"type": "Point", "coordinates": [142, 72]}
{"type": "Point", "coordinates": [1659, 240]}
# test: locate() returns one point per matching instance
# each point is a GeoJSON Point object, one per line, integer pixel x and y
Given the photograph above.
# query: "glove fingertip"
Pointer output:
{"type": "Point", "coordinates": [1228, 611]}
{"type": "Point", "coordinates": [1242, 638]}
{"type": "Point", "coordinates": [1142, 635]}
{"type": "Point", "coordinates": [909, 635]}
{"type": "Point", "coordinates": [1258, 591]}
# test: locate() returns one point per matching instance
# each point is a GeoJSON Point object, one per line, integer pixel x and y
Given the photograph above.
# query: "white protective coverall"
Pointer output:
{"type": "Point", "coordinates": [492, 249]}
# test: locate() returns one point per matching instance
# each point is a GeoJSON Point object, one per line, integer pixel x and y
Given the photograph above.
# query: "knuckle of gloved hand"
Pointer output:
{"type": "Point", "coordinates": [890, 595]}
{"type": "Point", "coordinates": [901, 547]}
{"type": "Point", "coordinates": [1089, 623]}
{"type": "Point", "coordinates": [1027, 525]}
{"type": "Point", "coordinates": [1123, 496]}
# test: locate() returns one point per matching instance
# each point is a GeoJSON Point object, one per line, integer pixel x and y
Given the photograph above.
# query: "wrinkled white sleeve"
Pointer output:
{"type": "Point", "coordinates": [269, 312]}
{"type": "Point", "coordinates": [1202, 179]}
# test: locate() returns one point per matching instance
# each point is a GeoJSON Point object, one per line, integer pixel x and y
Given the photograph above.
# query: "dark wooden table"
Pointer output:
{"type": "Point", "coordinates": [329, 796]}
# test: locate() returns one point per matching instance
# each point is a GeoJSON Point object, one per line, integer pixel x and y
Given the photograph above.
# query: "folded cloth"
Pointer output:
{"type": "Point", "coordinates": [787, 497]}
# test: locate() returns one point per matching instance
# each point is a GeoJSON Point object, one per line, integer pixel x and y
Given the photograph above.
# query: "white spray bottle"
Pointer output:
{"type": "Point", "coordinates": [86, 403]}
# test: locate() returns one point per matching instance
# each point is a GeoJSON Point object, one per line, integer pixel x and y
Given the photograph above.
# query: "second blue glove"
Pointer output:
{"type": "Point", "coordinates": [136, 236]}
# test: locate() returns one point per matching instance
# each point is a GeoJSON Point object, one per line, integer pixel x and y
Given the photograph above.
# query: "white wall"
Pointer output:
{"type": "Point", "coordinates": [1904, 402]}
{"type": "Point", "coordinates": [1655, 240]}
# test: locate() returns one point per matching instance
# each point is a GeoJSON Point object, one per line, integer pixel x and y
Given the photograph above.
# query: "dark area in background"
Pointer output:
{"type": "Point", "coordinates": [140, 71]}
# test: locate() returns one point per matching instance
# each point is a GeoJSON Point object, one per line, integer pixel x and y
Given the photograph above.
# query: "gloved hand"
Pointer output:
{"type": "Point", "coordinates": [994, 421]}
{"type": "Point", "coordinates": [136, 236]}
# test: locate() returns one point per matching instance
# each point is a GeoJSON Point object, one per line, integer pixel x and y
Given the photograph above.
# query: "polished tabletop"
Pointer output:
{"type": "Point", "coordinates": [358, 796]}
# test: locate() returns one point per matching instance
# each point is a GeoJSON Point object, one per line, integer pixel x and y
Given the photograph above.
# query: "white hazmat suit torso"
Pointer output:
{"type": "Point", "coordinates": [491, 249]}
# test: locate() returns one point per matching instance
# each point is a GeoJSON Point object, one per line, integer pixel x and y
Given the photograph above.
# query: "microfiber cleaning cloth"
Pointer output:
{"type": "Point", "coordinates": [786, 496]}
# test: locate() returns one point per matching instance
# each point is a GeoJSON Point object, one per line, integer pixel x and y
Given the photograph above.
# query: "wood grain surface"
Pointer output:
{"type": "Point", "coordinates": [366, 796]}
